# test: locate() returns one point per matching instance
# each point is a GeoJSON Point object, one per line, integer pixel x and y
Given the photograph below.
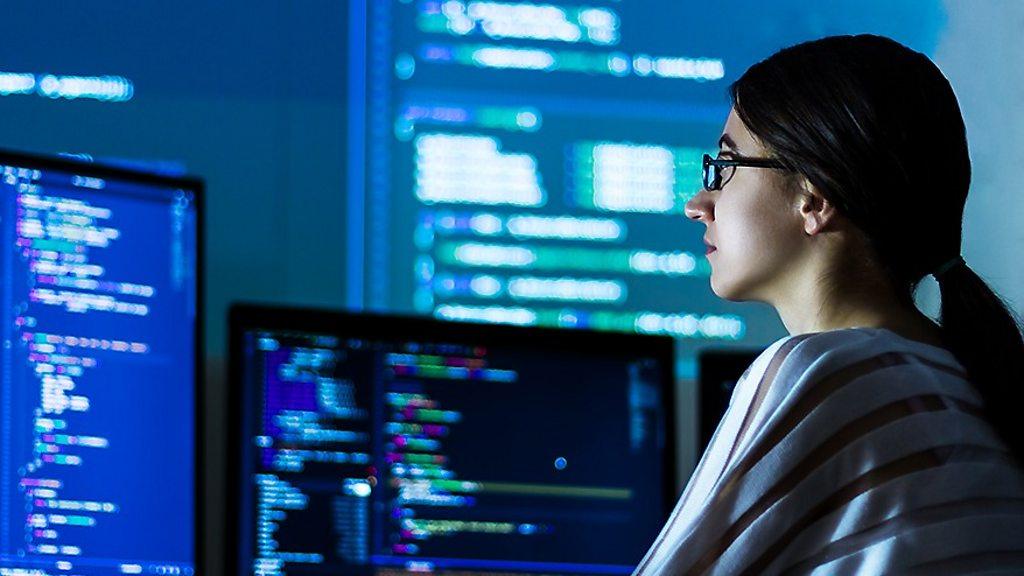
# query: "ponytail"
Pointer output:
{"type": "Point", "coordinates": [985, 336]}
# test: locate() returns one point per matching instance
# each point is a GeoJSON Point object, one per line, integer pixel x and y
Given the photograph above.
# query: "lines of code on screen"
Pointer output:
{"type": "Point", "coordinates": [98, 310]}
{"type": "Point", "coordinates": [528, 163]}
{"type": "Point", "coordinates": [368, 456]}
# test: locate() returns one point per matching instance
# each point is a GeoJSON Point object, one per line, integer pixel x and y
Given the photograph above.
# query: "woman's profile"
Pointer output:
{"type": "Point", "coordinates": [871, 439]}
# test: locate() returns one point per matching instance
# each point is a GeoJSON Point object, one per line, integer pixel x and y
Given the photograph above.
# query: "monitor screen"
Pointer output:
{"type": "Point", "coordinates": [98, 312]}
{"type": "Point", "coordinates": [529, 163]}
{"type": "Point", "coordinates": [373, 444]}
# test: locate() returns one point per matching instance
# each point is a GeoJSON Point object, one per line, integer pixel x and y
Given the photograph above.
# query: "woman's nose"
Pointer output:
{"type": "Point", "coordinates": [701, 207]}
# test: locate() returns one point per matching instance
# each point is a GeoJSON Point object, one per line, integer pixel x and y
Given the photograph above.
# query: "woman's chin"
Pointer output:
{"type": "Point", "coordinates": [724, 289]}
{"type": "Point", "coordinates": [716, 286]}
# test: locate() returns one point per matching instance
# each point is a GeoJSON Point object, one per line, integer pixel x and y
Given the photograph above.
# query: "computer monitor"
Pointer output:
{"type": "Point", "coordinates": [718, 373]}
{"type": "Point", "coordinates": [100, 320]}
{"type": "Point", "coordinates": [370, 444]}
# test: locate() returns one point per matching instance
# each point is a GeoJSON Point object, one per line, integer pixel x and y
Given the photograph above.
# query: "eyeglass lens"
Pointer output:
{"type": "Point", "coordinates": [716, 176]}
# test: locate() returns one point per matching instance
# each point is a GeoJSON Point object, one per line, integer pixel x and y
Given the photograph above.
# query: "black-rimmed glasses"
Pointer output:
{"type": "Point", "coordinates": [715, 169]}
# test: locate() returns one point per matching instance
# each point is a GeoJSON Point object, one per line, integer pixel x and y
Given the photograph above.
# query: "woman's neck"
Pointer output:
{"type": "Point", "coordinates": [817, 308]}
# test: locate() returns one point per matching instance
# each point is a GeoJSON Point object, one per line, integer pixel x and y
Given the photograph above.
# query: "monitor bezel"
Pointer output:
{"type": "Point", "coordinates": [197, 187]}
{"type": "Point", "coordinates": [246, 317]}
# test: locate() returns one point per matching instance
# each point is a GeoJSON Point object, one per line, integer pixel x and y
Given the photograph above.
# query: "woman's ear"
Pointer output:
{"type": "Point", "coordinates": [816, 211]}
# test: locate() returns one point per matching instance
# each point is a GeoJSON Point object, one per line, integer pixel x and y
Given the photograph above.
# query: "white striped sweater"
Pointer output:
{"type": "Point", "coordinates": [854, 451]}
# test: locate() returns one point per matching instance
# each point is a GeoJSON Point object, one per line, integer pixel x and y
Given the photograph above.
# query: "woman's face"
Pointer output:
{"type": "Point", "coordinates": [754, 229]}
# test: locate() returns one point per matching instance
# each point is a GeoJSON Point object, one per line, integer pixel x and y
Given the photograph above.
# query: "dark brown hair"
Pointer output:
{"type": "Point", "coordinates": [876, 128]}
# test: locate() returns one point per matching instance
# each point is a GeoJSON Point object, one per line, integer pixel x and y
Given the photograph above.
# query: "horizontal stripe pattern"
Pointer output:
{"type": "Point", "coordinates": [851, 451]}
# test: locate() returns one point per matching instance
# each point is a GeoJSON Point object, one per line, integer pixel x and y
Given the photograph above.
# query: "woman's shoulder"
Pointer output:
{"type": "Point", "coordinates": [824, 362]}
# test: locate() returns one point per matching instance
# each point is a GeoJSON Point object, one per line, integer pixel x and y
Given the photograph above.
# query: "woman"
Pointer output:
{"type": "Point", "coordinates": [871, 440]}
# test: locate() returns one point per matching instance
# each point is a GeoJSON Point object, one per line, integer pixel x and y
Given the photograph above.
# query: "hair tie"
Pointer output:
{"type": "Point", "coordinates": [948, 265]}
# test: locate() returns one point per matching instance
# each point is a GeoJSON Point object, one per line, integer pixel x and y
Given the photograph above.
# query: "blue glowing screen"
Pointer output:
{"type": "Point", "coordinates": [367, 454]}
{"type": "Point", "coordinates": [528, 162]}
{"type": "Point", "coordinates": [97, 391]}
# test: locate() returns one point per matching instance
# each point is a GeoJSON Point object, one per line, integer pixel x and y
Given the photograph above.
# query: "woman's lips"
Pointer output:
{"type": "Point", "coordinates": [709, 250]}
